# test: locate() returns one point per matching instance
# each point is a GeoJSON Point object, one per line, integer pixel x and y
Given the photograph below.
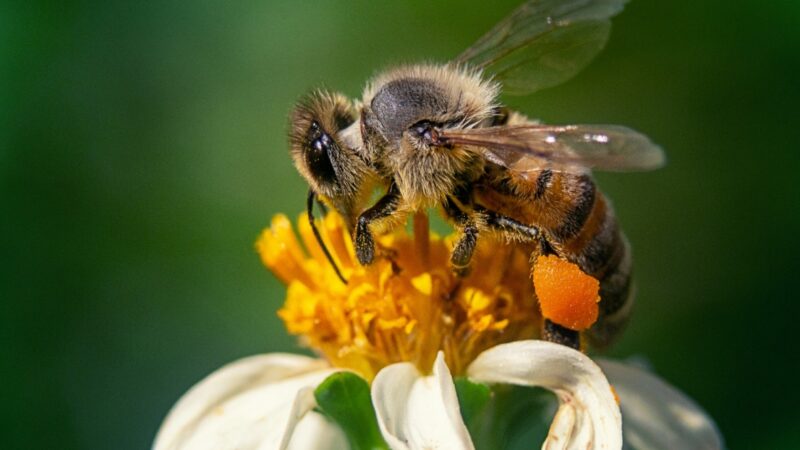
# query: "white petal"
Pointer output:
{"type": "Point", "coordinates": [588, 415]}
{"type": "Point", "coordinates": [318, 433]}
{"type": "Point", "coordinates": [249, 404]}
{"type": "Point", "coordinates": [304, 402]}
{"type": "Point", "coordinates": [656, 415]}
{"type": "Point", "coordinates": [419, 412]}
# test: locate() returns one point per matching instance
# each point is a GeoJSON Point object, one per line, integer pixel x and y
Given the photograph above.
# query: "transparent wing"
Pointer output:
{"type": "Point", "coordinates": [543, 43]}
{"type": "Point", "coordinates": [530, 147]}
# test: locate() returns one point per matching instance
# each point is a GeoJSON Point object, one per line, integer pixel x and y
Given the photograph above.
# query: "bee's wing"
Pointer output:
{"type": "Point", "coordinates": [561, 147]}
{"type": "Point", "coordinates": [543, 43]}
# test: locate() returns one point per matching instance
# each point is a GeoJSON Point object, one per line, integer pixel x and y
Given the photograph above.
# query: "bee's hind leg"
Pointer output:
{"type": "Point", "coordinates": [551, 331]}
{"type": "Point", "coordinates": [554, 332]}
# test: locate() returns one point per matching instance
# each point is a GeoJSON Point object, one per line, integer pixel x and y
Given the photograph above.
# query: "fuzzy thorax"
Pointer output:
{"type": "Point", "coordinates": [441, 97]}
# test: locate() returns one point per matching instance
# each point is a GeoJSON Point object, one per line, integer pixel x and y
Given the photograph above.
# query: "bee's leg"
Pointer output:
{"type": "Point", "coordinates": [465, 246]}
{"type": "Point", "coordinates": [506, 224]}
{"type": "Point", "coordinates": [385, 207]}
{"type": "Point", "coordinates": [518, 230]}
{"type": "Point", "coordinates": [554, 332]}
{"type": "Point", "coordinates": [551, 331]}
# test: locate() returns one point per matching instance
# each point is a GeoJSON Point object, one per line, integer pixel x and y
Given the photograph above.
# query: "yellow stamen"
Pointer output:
{"type": "Point", "coordinates": [407, 305]}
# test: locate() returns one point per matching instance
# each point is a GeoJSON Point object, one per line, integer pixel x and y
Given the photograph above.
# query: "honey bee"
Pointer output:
{"type": "Point", "coordinates": [437, 135]}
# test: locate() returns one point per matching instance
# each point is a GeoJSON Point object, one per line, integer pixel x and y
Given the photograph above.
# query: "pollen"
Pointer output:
{"type": "Point", "coordinates": [407, 305]}
{"type": "Point", "coordinates": [567, 295]}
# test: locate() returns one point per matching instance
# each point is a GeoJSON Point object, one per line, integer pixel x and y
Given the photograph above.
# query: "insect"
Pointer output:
{"type": "Point", "coordinates": [437, 135]}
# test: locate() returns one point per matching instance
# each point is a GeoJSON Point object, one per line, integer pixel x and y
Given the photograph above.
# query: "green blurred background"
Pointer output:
{"type": "Point", "coordinates": [142, 149]}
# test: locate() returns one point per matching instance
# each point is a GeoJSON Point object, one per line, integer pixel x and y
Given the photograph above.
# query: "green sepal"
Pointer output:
{"type": "Point", "coordinates": [345, 398]}
{"type": "Point", "coordinates": [472, 399]}
{"type": "Point", "coordinates": [504, 416]}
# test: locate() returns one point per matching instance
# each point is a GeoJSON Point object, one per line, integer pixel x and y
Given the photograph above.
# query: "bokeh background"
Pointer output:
{"type": "Point", "coordinates": [142, 149]}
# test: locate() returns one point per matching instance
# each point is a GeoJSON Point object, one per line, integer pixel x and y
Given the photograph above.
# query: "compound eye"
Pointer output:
{"type": "Point", "coordinates": [320, 144]}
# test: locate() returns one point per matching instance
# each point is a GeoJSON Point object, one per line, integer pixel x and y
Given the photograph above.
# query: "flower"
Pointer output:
{"type": "Point", "coordinates": [409, 326]}
{"type": "Point", "coordinates": [407, 305]}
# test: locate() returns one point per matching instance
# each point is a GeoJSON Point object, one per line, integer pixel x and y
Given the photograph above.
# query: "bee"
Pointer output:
{"type": "Point", "coordinates": [437, 136]}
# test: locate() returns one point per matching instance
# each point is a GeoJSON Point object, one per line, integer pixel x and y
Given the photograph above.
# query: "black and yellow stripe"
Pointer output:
{"type": "Point", "coordinates": [578, 223]}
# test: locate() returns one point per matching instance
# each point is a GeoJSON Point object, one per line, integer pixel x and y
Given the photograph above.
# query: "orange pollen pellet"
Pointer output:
{"type": "Point", "coordinates": [567, 296]}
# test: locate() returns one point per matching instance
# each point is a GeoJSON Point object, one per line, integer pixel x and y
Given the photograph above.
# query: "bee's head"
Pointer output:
{"type": "Point", "coordinates": [332, 169]}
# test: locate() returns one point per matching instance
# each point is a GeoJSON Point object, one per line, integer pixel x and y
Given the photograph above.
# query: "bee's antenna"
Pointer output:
{"type": "Point", "coordinates": [310, 208]}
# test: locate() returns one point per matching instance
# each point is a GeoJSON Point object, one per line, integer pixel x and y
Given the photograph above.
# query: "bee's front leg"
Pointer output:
{"type": "Point", "coordinates": [385, 207]}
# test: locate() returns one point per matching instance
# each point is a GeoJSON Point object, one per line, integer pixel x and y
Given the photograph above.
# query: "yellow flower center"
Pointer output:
{"type": "Point", "coordinates": [408, 304]}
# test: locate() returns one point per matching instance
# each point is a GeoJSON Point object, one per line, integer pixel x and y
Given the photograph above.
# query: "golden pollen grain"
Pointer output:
{"type": "Point", "coordinates": [407, 305]}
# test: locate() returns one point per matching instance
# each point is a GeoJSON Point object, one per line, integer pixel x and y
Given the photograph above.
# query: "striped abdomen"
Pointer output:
{"type": "Point", "coordinates": [579, 225]}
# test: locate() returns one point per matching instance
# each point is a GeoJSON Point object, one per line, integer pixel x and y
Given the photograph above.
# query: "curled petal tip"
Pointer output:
{"type": "Point", "coordinates": [588, 415]}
